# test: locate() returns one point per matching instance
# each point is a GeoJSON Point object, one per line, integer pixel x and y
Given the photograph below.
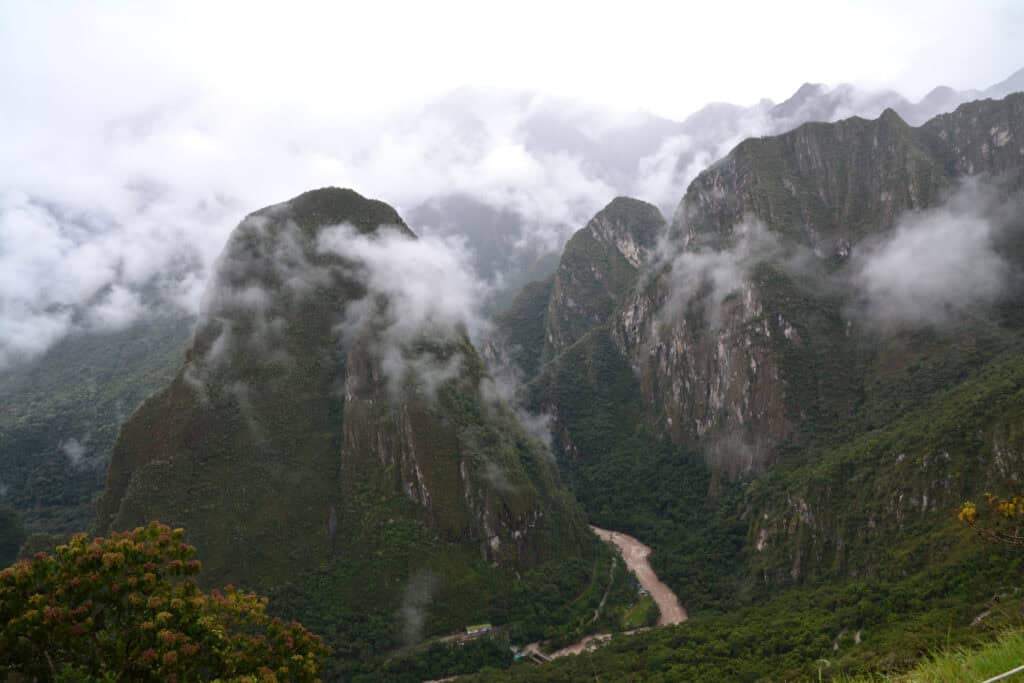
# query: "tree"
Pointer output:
{"type": "Point", "coordinates": [128, 608]}
{"type": "Point", "coordinates": [1001, 520]}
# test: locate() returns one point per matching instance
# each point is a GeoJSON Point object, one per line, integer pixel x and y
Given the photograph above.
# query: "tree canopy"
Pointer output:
{"type": "Point", "coordinates": [128, 607]}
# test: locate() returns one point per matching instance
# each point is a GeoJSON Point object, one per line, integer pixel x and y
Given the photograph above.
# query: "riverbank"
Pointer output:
{"type": "Point", "coordinates": [635, 555]}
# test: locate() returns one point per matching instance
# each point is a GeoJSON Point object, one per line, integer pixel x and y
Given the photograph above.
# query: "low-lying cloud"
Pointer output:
{"type": "Point", "coordinates": [77, 452]}
{"type": "Point", "coordinates": [933, 267]}
{"type": "Point", "coordinates": [708, 276]}
{"type": "Point", "coordinates": [937, 265]}
{"type": "Point", "coordinates": [416, 599]}
{"type": "Point", "coordinates": [124, 177]}
{"type": "Point", "coordinates": [502, 387]}
{"type": "Point", "coordinates": [416, 290]}
{"type": "Point", "coordinates": [129, 215]}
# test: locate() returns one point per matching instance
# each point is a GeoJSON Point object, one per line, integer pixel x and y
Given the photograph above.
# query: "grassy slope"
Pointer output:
{"type": "Point", "coordinates": [963, 664]}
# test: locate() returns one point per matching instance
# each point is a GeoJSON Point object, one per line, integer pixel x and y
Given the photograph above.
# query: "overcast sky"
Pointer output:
{"type": "Point", "coordinates": [135, 135]}
{"type": "Point", "coordinates": [351, 57]}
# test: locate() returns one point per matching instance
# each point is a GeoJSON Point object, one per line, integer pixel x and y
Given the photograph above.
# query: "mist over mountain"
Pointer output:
{"type": "Point", "coordinates": [572, 342]}
{"type": "Point", "coordinates": [827, 346]}
{"type": "Point", "coordinates": [508, 175]}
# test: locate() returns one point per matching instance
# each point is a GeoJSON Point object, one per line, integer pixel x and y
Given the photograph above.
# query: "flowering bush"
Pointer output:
{"type": "Point", "coordinates": [128, 607]}
{"type": "Point", "coordinates": [1000, 520]}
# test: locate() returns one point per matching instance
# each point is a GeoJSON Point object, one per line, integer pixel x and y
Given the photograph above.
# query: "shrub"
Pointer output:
{"type": "Point", "coordinates": [128, 607]}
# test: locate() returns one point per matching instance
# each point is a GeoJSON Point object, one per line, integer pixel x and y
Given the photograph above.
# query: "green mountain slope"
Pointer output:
{"type": "Point", "coordinates": [360, 477]}
{"type": "Point", "coordinates": [784, 447]}
{"type": "Point", "coordinates": [60, 415]}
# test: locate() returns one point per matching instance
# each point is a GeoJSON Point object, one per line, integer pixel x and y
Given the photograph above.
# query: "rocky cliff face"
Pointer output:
{"type": "Point", "coordinates": [598, 267]}
{"type": "Point", "coordinates": [832, 320]}
{"type": "Point", "coordinates": [315, 423]}
{"type": "Point", "coordinates": [748, 333]}
{"type": "Point", "coordinates": [597, 270]}
{"type": "Point", "coordinates": [555, 340]}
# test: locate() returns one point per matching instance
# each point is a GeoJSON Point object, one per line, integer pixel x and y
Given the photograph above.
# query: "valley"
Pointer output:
{"type": "Point", "coordinates": [497, 385]}
{"type": "Point", "coordinates": [635, 555]}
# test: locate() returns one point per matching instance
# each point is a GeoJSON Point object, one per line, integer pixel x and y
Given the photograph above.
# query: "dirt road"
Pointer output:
{"type": "Point", "coordinates": [635, 555]}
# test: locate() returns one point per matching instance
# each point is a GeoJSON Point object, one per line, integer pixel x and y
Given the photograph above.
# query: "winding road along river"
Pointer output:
{"type": "Point", "coordinates": [635, 555]}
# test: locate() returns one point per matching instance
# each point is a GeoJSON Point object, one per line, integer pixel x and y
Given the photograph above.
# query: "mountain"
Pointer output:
{"type": "Point", "coordinates": [515, 233]}
{"type": "Point", "coordinates": [331, 443]}
{"type": "Point", "coordinates": [598, 266]}
{"type": "Point", "coordinates": [1012, 84]}
{"type": "Point", "coordinates": [576, 158]}
{"type": "Point", "coordinates": [497, 239]}
{"type": "Point", "coordinates": [820, 191]}
{"type": "Point", "coordinates": [828, 352]}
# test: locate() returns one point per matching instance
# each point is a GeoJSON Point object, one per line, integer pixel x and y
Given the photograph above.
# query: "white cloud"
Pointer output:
{"type": "Point", "coordinates": [76, 452]}
{"type": "Point", "coordinates": [416, 289]}
{"type": "Point", "coordinates": [937, 264]}
{"type": "Point", "coordinates": [136, 137]}
{"type": "Point", "coordinates": [708, 275]}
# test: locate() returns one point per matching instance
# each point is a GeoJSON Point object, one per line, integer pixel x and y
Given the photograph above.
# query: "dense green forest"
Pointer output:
{"type": "Point", "coordinates": [543, 604]}
{"type": "Point", "coordinates": [62, 411]}
{"type": "Point", "coordinates": [855, 626]}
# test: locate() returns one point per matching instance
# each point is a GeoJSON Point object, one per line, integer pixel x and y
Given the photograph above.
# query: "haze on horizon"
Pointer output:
{"type": "Point", "coordinates": [136, 136]}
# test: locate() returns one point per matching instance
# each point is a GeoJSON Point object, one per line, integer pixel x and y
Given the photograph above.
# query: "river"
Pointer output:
{"type": "Point", "coordinates": [635, 554]}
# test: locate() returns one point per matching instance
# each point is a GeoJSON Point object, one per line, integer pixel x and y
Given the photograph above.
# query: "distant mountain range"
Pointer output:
{"type": "Point", "coordinates": [640, 155]}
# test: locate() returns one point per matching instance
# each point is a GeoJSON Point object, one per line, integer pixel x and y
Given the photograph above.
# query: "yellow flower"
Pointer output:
{"type": "Point", "coordinates": [968, 513]}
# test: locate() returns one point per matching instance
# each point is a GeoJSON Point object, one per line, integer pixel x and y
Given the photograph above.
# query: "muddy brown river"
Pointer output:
{"type": "Point", "coordinates": [635, 554]}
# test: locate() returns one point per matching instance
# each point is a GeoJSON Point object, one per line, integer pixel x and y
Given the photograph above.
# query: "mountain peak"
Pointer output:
{"type": "Point", "coordinates": [622, 206]}
{"type": "Point", "coordinates": [939, 92]}
{"type": "Point", "coordinates": [598, 268]}
{"type": "Point", "coordinates": [328, 206]}
{"type": "Point", "coordinates": [631, 226]}
{"type": "Point", "coordinates": [1014, 83]}
{"type": "Point", "coordinates": [808, 90]}
{"type": "Point", "coordinates": [890, 117]}
{"type": "Point", "coordinates": [804, 95]}
{"type": "Point", "coordinates": [307, 435]}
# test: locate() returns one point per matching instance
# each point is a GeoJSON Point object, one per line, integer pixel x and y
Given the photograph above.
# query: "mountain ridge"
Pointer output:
{"type": "Point", "coordinates": [312, 445]}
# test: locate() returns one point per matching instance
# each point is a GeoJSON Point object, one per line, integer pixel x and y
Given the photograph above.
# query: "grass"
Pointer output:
{"type": "Point", "coordinates": [644, 613]}
{"type": "Point", "coordinates": [964, 664]}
